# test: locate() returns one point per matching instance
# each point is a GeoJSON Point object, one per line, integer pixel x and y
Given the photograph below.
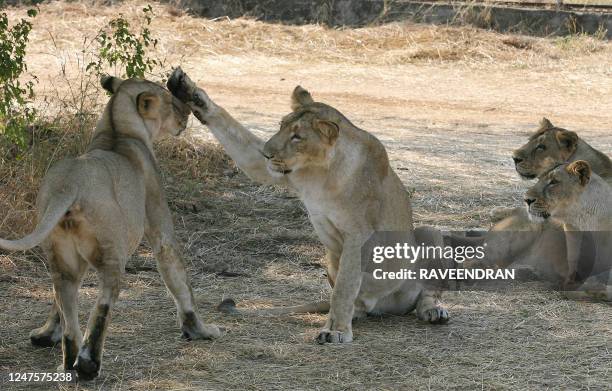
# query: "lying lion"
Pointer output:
{"type": "Point", "coordinates": [95, 209]}
{"type": "Point", "coordinates": [550, 146]}
{"type": "Point", "coordinates": [515, 238]}
{"type": "Point", "coordinates": [582, 201]}
{"type": "Point", "coordinates": [343, 176]}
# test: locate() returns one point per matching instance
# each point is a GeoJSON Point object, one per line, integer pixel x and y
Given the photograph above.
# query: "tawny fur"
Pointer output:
{"type": "Point", "coordinates": [94, 210]}
{"type": "Point", "coordinates": [541, 245]}
{"type": "Point", "coordinates": [582, 201]}
{"type": "Point", "coordinates": [342, 175]}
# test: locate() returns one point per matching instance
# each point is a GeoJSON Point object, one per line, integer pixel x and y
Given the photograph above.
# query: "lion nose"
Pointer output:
{"type": "Point", "coordinates": [529, 201]}
{"type": "Point", "coordinates": [517, 159]}
{"type": "Point", "coordinates": [267, 152]}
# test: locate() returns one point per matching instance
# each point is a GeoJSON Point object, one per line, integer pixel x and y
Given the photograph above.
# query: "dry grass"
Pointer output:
{"type": "Point", "coordinates": [390, 44]}
{"type": "Point", "coordinates": [449, 104]}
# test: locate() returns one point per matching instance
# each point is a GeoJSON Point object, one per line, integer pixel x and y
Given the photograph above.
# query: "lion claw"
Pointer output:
{"type": "Point", "coordinates": [437, 315]}
{"type": "Point", "coordinates": [333, 336]}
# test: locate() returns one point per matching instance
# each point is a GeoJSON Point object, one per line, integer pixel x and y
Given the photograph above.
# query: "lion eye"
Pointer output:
{"type": "Point", "coordinates": [296, 138]}
{"type": "Point", "coordinates": [553, 182]}
{"type": "Point", "coordinates": [541, 147]}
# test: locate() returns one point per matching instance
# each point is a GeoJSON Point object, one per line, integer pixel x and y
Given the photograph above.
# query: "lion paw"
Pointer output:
{"type": "Point", "coordinates": [180, 85]}
{"type": "Point", "coordinates": [87, 367]}
{"type": "Point", "coordinates": [334, 336]}
{"type": "Point", "coordinates": [42, 337]}
{"type": "Point", "coordinates": [569, 283]}
{"type": "Point", "coordinates": [199, 99]}
{"type": "Point", "coordinates": [436, 315]}
{"type": "Point", "coordinates": [499, 213]}
{"type": "Point", "coordinates": [192, 328]}
{"type": "Point", "coordinates": [207, 331]}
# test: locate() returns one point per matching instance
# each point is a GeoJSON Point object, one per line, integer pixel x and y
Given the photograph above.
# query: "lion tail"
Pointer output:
{"type": "Point", "coordinates": [56, 209]}
{"type": "Point", "coordinates": [228, 306]}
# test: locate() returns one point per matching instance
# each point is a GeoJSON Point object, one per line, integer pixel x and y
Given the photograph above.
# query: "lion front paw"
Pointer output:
{"type": "Point", "coordinates": [334, 336]}
{"type": "Point", "coordinates": [207, 331]}
{"type": "Point", "coordinates": [193, 329]}
{"type": "Point", "coordinates": [199, 99]}
{"type": "Point", "coordinates": [435, 315]}
{"type": "Point", "coordinates": [180, 85]}
{"type": "Point", "coordinates": [499, 213]}
{"type": "Point", "coordinates": [569, 283]}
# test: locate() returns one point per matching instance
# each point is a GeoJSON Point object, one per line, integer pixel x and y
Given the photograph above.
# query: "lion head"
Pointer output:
{"type": "Point", "coordinates": [546, 148]}
{"type": "Point", "coordinates": [161, 113]}
{"type": "Point", "coordinates": [557, 190]}
{"type": "Point", "coordinates": [306, 136]}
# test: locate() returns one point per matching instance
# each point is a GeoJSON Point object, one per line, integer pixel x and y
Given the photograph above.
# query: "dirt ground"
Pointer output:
{"type": "Point", "coordinates": [449, 104]}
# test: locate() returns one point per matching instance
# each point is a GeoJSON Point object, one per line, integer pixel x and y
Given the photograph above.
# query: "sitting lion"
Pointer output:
{"type": "Point", "coordinates": [95, 209]}
{"type": "Point", "coordinates": [516, 239]}
{"type": "Point", "coordinates": [582, 201]}
{"type": "Point", "coordinates": [342, 175]}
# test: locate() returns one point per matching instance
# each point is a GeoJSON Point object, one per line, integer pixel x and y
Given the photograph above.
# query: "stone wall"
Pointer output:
{"type": "Point", "coordinates": [362, 12]}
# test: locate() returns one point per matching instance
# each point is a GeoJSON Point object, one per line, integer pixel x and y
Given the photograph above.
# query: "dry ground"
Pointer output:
{"type": "Point", "coordinates": [450, 104]}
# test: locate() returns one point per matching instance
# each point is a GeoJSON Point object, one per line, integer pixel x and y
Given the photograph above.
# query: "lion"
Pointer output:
{"type": "Point", "coordinates": [582, 201]}
{"type": "Point", "coordinates": [342, 175]}
{"type": "Point", "coordinates": [550, 146]}
{"type": "Point", "coordinates": [94, 210]}
{"type": "Point", "coordinates": [514, 237]}
{"type": "Point", "coordinates": [537, 249]}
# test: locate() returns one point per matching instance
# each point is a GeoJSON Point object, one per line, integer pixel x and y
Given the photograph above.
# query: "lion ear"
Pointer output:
{"type": "Point", "coordinates": [148, 105]}
{"type": "Point", "coordinates": [581, 169]}
{"type": "Point", "coordinates": [110, 83]}
{"type": "Point", "coordinates": [568, 140]}
{"type": "Point", "coordinates": [328, 129]}
{"type": "Point", "coordinates": [546, 124]}
{"type": "Point", "coordinates": [300, 97]}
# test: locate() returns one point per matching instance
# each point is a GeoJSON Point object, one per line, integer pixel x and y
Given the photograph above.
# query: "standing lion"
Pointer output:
{"type": "Point", "coordinates": [94, 210]}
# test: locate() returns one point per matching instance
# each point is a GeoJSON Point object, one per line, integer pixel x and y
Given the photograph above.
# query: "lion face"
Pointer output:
{"type": "Point", "coordinates": [161, 112]}
{"type": "Point", "coordinates": [304, 139]}
{"type": "Point", "coordinates": [548, 147]}
{"type": "Point", "coordinates": [557, 190]}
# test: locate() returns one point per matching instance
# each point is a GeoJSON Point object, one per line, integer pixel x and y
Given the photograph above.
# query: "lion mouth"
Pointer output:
{"type": "Point", "coordinates": [537, 215]}
{"type": "Point", "coordinates": [279, 170]}
{"type": "Point", "coordinates": [526, 176]}
{"type": "Point", "coordinates": [523, 172]}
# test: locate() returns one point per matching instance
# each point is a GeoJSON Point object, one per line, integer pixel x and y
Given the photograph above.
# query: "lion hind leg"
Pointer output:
{"type": "Point", "coordinates": [228, 306]}
{"type": "Point", "coordinates": [67, 271]}
{"type": "Point", "coordinates": [597, 287]}
{"type": "Point", "coordinates": [172, 270]}
{"type": "Point", "coordinates": [49, 334]}
{"type": "Point", "coordinates": [89, 360]}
